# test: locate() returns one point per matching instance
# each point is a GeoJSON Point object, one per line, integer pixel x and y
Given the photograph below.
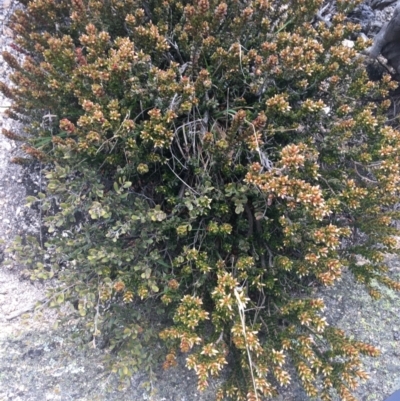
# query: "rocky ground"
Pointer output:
{"type": "Point", "coordinates": [38, 361]}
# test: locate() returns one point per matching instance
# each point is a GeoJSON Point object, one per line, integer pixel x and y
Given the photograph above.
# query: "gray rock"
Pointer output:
{"type": "Point", "coordinates": [381, 4]}
{"type": "Point", "coordinates": [363, 15]}
{"type": "Point", "coordinates": [387, 42]}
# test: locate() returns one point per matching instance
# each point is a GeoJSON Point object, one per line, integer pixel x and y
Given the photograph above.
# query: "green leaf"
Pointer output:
{"type": "Point", "coordinates": [60, 298]}
{"type": "Point", "coordinates": [30, 200]}
{"type": "Point", "coordinates": [162, 263]}
{"type": "Point", "coordinates": [239, 208]}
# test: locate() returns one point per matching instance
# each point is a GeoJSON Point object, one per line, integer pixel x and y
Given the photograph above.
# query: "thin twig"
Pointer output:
{"type": "Point", "coordinates": [40, 210]}
{"type": "Point", "coordinates": [361, 176]}
{"type": "Point", "coordinates": [96, 318]}
{"type": "Point", "coordinates": [243, 321]}
{"type": "Point", "coordinates": [180, 179]}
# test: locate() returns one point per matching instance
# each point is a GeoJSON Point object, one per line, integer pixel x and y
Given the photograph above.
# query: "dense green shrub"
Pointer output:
{"type": "Point", "coordinates": [212, 162]}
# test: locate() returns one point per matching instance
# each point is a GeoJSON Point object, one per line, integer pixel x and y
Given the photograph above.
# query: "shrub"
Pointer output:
{"type": "Point", "coordinates": [212, 161]}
